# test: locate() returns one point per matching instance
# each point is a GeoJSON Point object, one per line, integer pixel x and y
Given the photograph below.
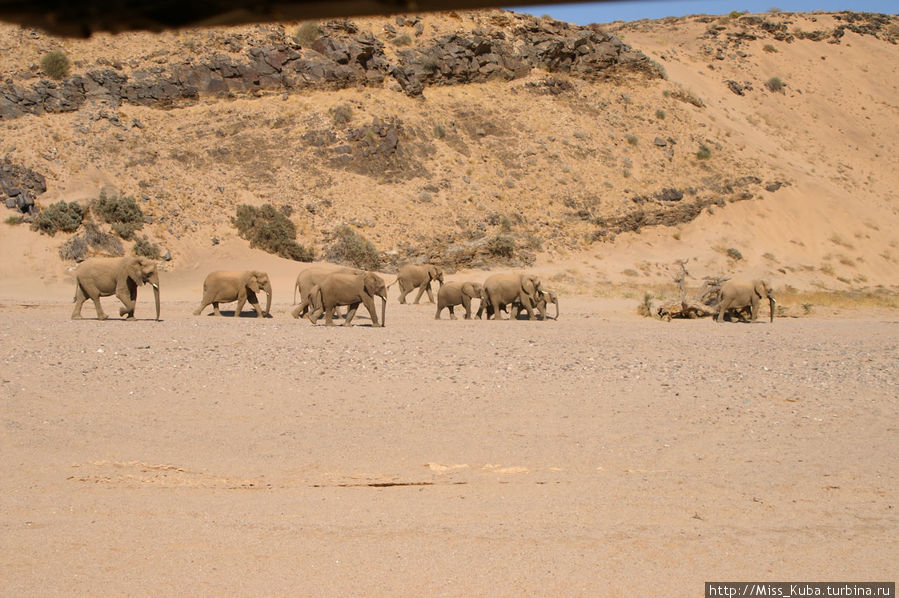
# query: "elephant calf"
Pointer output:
{"type": "Point", "coordinates": [225, 287]}
{"type": "Point", "coordinates": [458, 293]}
{"type": "Point", "coordinates": [544, 298]}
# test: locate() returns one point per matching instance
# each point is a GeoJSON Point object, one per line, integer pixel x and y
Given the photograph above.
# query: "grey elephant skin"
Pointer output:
{"type": "Point", "coordinates": [507, 289]}
{"type": "Point", "coordinates": [417, 276]}
{"type": "Point", "coordinates": [544, 298]}
{"type": "Point", "coordinates": [351, 290]}
{"type": "Point", "coordinates": [738, 294]}
{"type": "Point", "coordinates": [309, 278]}
{"type": "Point", "coordinates": [224, 287]}
{"type": "Point", "coordinates": [458, 293]}
{"type": "Point", "coordinates": [105, 276]}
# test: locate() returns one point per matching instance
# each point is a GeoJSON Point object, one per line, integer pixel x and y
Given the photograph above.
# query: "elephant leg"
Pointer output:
{"type": "Point", "coordinates": [241, 300]}
{"type": "Point", "coordinates": [440, 307]}
{"type": "Point", "coordinates": [421, 290]}
{"type": "Point", "coordinates": [350, 313]}
{"type": "Point", "coordinates": [754, 308]}
{"type": "Point", "coordinates": [215, 308]}
{"type": "Point", "coordinates": [513, 311]}
{"type": "Point", "coordinates": [526, 303]}
{"type": "Point", "coordinates": [466, 303]}
{"type": "Point", "coordinates": [722, 308]}
{"type": "Point", "coordinates": [370, 306]}
{"type": "Point", "coordinates": [329, 316]}
{"type": "Point", "coordinates": [451, 312]}
{"type": "Point", "coordinates": [403, 291]}
{"type": "Point", "coordinates": [128, 296]}
{"type": "Point", "coordinates": [254, 301]}
{"type": "Point", "coordinates": [430, 294]}
{"type": "Point", "coordinates": [200, 309]}
{"type": "Point", "coordinates": [80, 298]}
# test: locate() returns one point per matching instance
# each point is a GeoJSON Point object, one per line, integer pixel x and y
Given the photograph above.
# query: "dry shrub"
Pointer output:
{"type": "Point", "coordinates": [352, 248]}
{"type": "Point", "coordinates": [55, 64]}
{"type": "Point", "coordinates": [270, 230]}
{"type": "Point", "coordinates": [60, 216]}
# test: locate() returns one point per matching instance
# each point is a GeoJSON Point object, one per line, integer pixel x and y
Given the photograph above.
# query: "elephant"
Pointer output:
{"type": "Point", "coordinates": [223, 287]}
{"type": "Point", "coordinates": [458, 293]}
{"type": "Point", "coordinates": [505, 289]}
{"type": "Point", "coordinates": [412, 276]}
{"type": "Point", "coordinates": [738, 294]}
{"type": "Point", "coordinates": [544, 298]}
{"type": "Point", "coordinates": [310, 277]}
{"type": "Point", "coordinates": [119, 276]}
{"type": "Point", "coordinates": [348, 289]}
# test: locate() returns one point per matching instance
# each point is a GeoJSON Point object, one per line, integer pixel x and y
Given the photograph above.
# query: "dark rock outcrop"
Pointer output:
{"type": "Point", "coordinates": [19, 186]}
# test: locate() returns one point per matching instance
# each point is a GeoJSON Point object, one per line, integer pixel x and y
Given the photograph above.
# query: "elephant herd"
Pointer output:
{"type": "Point", "coordinates": [322, 289]}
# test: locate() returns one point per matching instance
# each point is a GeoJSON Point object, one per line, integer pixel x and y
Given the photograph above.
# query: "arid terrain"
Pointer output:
{"type": "Point", "coordinates": [600, 454]}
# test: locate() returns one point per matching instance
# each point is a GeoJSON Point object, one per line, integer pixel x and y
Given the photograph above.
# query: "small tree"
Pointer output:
{"type": "Point", "coordinates": [270, 230]}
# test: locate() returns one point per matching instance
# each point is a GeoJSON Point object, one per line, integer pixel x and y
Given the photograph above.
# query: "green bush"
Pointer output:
{"type": "Point", "coordinates": [270, 230]}
{"type": "Point", "coordinates": [660, 114]}
{"type": "Point", "coordinates": [60, 216]}
{"type": "Point", "coordinates": [501, 246]}
{"type": "Point", "coordinates": [631, 138]}
{"type": "Point", "coordinates": [704, 152]}
{"type": "Point", "coordinates": [14, 220]}
{"type": "Point", "coordinates": [774, 84]}
{"type": "Point", "coordinates": [352, 248]}
{"type": "Point", "coordinates": [146, 248]}
{"type": "Point", "coordinates": [55, 64]}
{"type": "Point", "coordinates": [307, 33]}
{"type": "Point", "coordinates": [122, 213]}
{"type": "Point", "coordinates": [769, 48]}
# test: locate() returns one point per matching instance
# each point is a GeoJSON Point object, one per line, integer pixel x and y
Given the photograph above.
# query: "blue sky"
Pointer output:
{"type": "Point", "coordinates": [606, 12]}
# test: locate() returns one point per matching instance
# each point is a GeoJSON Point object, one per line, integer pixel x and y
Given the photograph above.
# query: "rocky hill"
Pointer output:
{"type": "Point", "coordinates": [762, 142]}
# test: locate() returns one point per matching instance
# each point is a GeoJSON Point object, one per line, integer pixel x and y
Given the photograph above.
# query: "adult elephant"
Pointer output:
{"type": "Point", "coordinates": [506, 289]}
{"type": "Point", "coordinates": [417, 276]}
{"type": "Point", "coordinates": [458, 293]}
{"type": "Point", "coordinates": [348, 289]}
{"type": "Point", "coordinates": [544, 298]}
{"type": "Point", "coordinates": [310, 277]}
{"type": "Point", "coordinates": [738, 294]}
{"type": "Point", "coordinates": [105, 276]}
{"type": "Point", "coordinates": [224, 287]}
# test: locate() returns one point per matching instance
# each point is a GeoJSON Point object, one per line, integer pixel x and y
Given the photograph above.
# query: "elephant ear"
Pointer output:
{"type": "Point", "coordinates": [252, 282]}
{"type": "Point", "coordinates": [134, 271]}
{"type": "Point", "coordinates": [761, 289]}
{"type": "Point", "coordinates": [370, 283]}
{"type": "Point", "coordinates": [432, 271]}
{"type": "Point", "coordinates": [527, 283]}
{"type": "Point", "coordinates": [468, 289]}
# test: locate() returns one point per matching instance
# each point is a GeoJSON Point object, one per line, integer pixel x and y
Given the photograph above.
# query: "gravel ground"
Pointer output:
{"type": "Point", "coordinates": [601, 454]}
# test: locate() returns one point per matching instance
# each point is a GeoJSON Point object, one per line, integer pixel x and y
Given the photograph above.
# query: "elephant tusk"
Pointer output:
{"type": "Point", "coordinates": [154, 285]}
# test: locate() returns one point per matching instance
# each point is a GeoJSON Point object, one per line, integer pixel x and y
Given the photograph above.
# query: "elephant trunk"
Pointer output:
{"type": "Point", "coordinates": [383, 309]}
{"type": "Point", "coordinates": [771, 303]}
{"type": "Point", "coordinates": [268, 302]}
{"type": "Point", "coordinates": [154, 282]}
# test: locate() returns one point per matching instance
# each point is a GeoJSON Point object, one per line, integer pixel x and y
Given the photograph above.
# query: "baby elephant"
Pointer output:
{"type": "Point", "coordinates": [225, 287]}
{"type": "Point", "coordinates": [458, 293]}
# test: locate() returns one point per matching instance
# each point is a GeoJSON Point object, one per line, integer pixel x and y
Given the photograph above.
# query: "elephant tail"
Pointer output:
{"type": "Point", "coordinates": [395, 280]}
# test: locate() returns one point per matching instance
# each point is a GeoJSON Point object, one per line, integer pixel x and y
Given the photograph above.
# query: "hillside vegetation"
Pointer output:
{"type": "Point", "coordinates": [746, 142]}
